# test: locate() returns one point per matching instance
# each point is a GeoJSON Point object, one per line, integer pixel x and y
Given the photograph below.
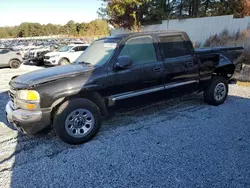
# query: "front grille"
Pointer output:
{"type": "Point", "coordinates": [46, 57]}
{"type": "Point", "coordinates": [12, 97]}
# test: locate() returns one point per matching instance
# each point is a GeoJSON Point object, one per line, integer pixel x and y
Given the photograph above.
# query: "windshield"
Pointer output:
{"type": "Point", "coordinates": [98, 53]}
{"type": "Point", "coordinates": [65, 48]}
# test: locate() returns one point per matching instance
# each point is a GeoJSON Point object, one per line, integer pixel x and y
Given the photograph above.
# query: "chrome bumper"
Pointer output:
{"type": "Point", "coordinates": [21, 116]}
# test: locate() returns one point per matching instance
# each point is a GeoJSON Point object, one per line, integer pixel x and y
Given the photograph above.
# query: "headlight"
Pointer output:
{"type": "Point", "coordinates": [28, 99]}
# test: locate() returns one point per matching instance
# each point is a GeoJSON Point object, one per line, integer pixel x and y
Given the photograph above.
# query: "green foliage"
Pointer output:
{"type": "Point", "coordinates": [124, 13]}
{"type": "Point", "coordinates": [132, 14]}
{"type": "Point", "coordinates": [96, 27]}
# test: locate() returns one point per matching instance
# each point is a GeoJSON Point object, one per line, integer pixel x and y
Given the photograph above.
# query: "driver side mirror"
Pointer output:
{"type": "Point", "coordinates": [124, 62]}
{"type": "Point", "coordinates": [72, 51]}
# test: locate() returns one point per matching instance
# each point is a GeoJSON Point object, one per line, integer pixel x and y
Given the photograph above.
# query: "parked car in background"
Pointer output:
{"type": "Point", "coordinates": [10, 58]}
{"type": "Point", "coordinates": [65, 55]}
{"type": "Point", "coordinates": [36, 56]}
{"type": "Point", "coordinates": [23, 50]}
{"type": "Point", "coordinates": [76, 98]}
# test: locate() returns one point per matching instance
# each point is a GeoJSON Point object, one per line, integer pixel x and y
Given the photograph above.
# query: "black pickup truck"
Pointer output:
{"type": "Point", "coordinates": [74, 99]}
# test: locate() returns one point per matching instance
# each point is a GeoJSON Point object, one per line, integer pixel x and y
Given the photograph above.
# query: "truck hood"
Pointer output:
{"type": "Point", "coordinates": [47, 75]}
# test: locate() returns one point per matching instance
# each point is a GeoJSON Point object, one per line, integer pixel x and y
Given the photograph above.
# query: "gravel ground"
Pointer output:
{"type": "Point", "coordinates": [180, 142]}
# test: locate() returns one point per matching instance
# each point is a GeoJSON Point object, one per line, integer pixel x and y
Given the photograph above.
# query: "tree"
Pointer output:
{"type": "Point", "coordinates": [3, 33]}
{"type": "Point", "coordinates": [124, 13]}
{"type": "Point", "coordinates": [71, 27]}
{"type": "Point", "coordinates": [23, 30]}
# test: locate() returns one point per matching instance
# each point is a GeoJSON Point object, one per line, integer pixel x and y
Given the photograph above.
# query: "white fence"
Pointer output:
{"type": "Point", "coordinates": [199, 29]}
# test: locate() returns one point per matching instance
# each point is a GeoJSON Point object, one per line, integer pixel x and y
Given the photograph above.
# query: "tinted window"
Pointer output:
{"type": "Point", "coordinates": [82, 48]}
{"type": "Point", "coordinates": [76, 49]}
{"type": "Point", "coordinates": [4, 51]}
{"type": "Point", "coordinates": [140, 49]}
{"type": "Point", "coordinates": [174, 46]}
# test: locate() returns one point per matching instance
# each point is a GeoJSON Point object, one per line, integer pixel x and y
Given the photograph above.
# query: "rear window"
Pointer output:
{"type": "Point", "coordinates": [174, 46]}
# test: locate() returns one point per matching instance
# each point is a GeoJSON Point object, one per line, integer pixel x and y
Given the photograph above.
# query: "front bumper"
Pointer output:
{"type": "Point", "coordinates": [29, 122]}
{"type": "Point", "coordinates": [50, 62]}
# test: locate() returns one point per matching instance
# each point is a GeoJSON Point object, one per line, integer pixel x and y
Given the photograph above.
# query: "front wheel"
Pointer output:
{"type": "Point", "coordinates": [217, 91]}
{"type": "Point", "coordinates": [77, 121]}
{"type": "Point", "coordinates": [64, 61]}
{"type": "Point", "coordinates": [14, 64]}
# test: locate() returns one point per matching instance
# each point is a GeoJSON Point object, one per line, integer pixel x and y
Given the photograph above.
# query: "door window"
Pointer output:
{"type": "Point", "coordinates": [4, 51]}
{"type": "Point", "coordinates": [76, 49]}
{"type": "Point", "coordinates": [82, 48]}
{"type": "Point", "coordinates": [140, 49]}
{"type": "Point", "coordinates": [174, 46]}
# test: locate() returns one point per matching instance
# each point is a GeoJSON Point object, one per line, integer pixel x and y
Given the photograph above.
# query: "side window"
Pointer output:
{"type": "Point", "coordinates": [75, 49]}
{"type": "Point", "coordinates": [82, 48]}
{"type": "Point", "coordinates": [140, 49]}
{"type": "Point", "coordinates": [4, 51]}
{"type": "Point", "coordinates": [174, 46]}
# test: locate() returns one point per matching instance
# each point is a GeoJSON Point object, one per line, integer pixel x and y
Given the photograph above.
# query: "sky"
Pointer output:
{"type": "Point", "coordinates": [14, 12]}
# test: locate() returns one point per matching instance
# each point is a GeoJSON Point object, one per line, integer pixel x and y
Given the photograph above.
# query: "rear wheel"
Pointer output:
{"type": "Point", "coordinates": [14, 64]}
{"type": "Point", "coordinates": [64, 61]}
{"type": "Point", "coordinates": [77, 121]}
{"type": "Point", "coordinates": [217, 92]}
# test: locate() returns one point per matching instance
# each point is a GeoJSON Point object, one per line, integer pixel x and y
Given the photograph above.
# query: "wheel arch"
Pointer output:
{"type": "Point", "coordinates": [64, 58]}
{"type": "Point", "coordinates": [92, 96]}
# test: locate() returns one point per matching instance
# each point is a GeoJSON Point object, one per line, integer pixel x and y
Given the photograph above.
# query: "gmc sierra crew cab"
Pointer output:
{"type": "Point", "coordinates": [74, 99]}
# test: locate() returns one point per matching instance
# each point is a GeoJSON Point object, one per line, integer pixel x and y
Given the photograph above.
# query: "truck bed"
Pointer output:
{"type": "Point", "coordinates": [234, 54]}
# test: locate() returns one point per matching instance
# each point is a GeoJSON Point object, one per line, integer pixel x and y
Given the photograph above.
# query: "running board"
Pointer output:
{"type": "Point", "coordinates": [112, 99]}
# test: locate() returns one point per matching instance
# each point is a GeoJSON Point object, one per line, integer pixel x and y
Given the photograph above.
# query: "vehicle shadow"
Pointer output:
{"type": "Point", "coordinates": [42, 160]}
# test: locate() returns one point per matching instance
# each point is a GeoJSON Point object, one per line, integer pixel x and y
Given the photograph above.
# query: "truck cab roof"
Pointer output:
{"type": "Point", "coordinates": [134, 34]}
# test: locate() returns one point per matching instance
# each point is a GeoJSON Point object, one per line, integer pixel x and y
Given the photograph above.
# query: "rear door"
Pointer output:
{"type": "Point", "coordinates": [146, 72]}
{"type": "Point", "coordinates": [180, 65]}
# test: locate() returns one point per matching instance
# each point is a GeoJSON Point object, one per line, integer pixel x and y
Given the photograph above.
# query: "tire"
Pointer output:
{"type": "Point", "coordinates": [217, 91]}
{"type": "Point", "coordinates": [72, 121]}
{"type": "Point", "coordinates": [63, 61]}
{"type": "Point", "coordinates": [15, 64]}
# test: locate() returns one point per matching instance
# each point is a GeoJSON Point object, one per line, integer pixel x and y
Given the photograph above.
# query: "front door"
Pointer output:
{"type": "Point", "coordinates": [146, 72]}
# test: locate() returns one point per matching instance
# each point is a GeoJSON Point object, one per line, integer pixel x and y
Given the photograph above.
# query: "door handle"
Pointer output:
{"type": "Point", "coordinates": [189, 64]}
{"type": "Point", "coordinates": [157, 69]}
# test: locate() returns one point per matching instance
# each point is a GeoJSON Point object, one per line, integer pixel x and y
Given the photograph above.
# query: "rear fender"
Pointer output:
{"type": "Point", "coordinates": [225, 67]}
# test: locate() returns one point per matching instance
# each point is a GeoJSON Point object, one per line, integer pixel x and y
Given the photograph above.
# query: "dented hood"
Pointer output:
{"type": "Point", "coordinates": [46, 75]}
